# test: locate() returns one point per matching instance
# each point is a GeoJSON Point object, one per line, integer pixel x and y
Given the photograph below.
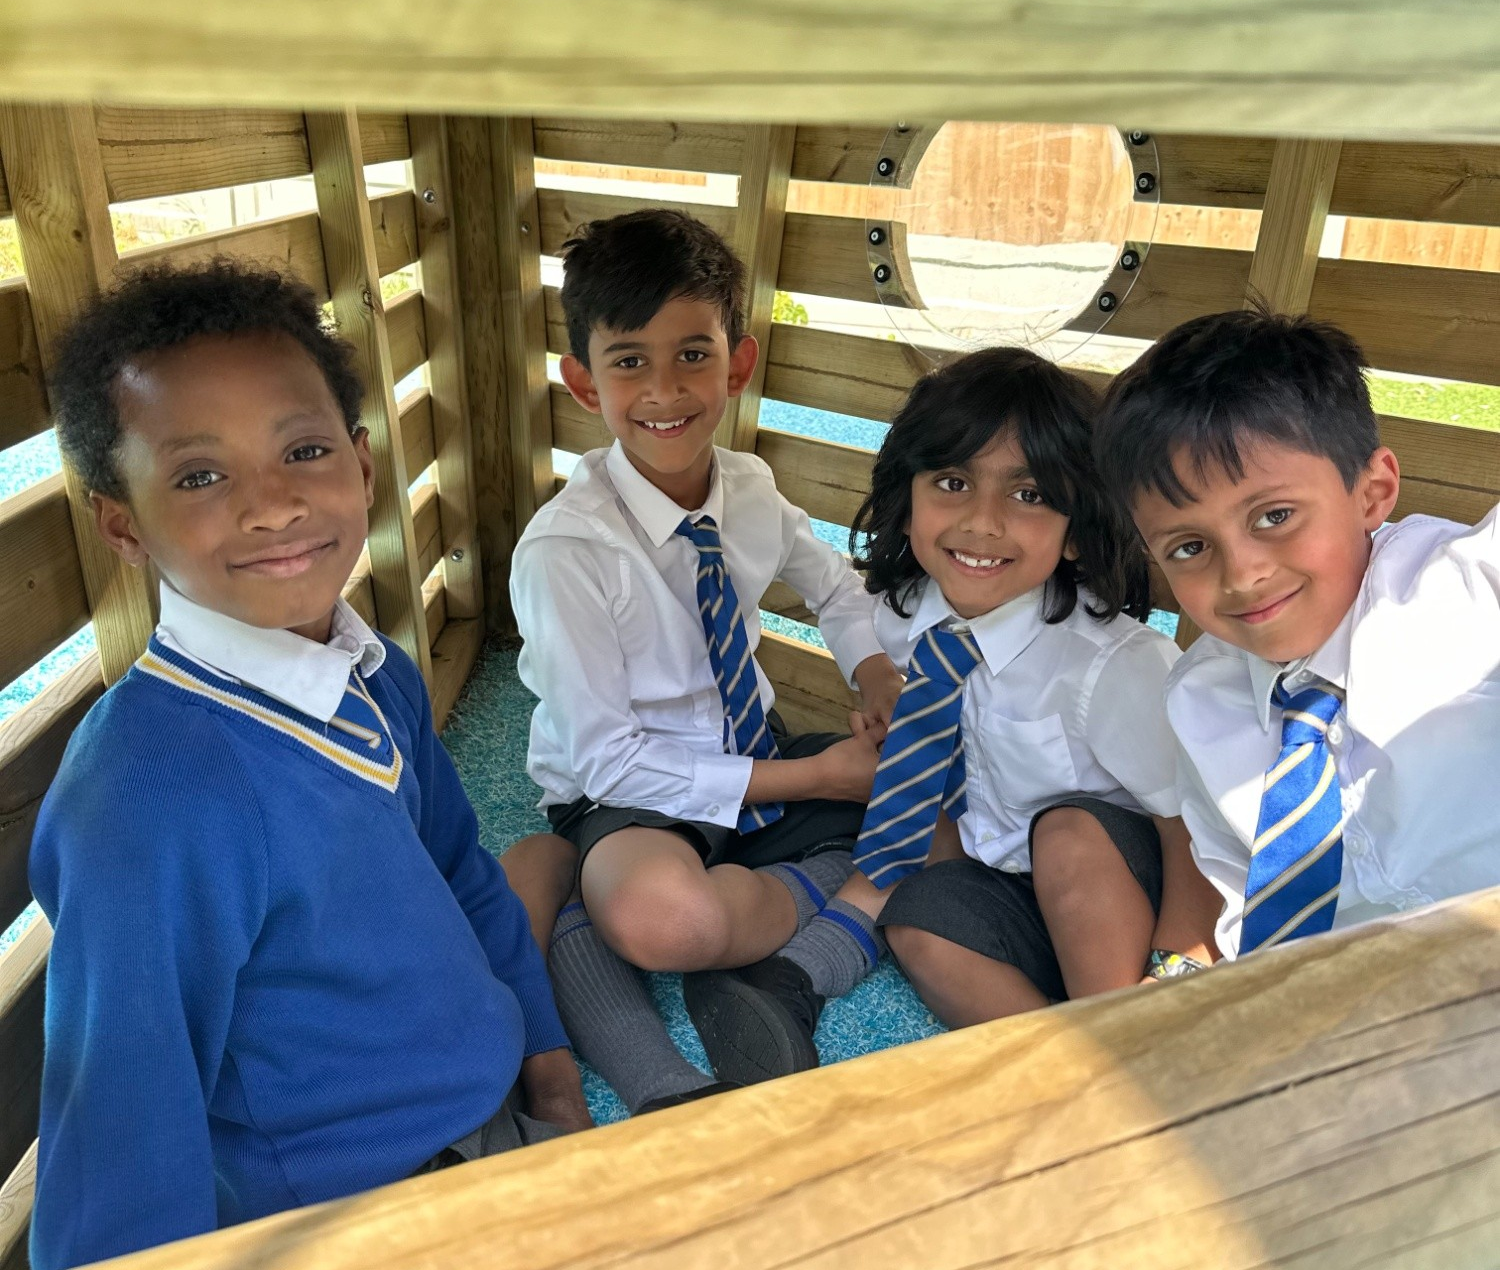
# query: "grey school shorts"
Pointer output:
{"type": "Point", "coordinates": [804, 829]}
{"type": "Point", "coordinates": [995, 913]}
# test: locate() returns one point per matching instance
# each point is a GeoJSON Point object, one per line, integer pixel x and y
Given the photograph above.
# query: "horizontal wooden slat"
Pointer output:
{"type": "Point", "coordinates": [846, 374]}
{"type": "Point", "coordinates": [1214, 171]}
{"type": "Point", "coordinates": [31, 747]}
{"type": "Point", "coordinates": [573, 428]}
{"type": "Point", "coordinates": [42, 600]}
{"type": "Point", "coordinates": [394, 217]}
{"type": "Point", "coordinates": [563, 211]}
{"type": "Point", "coordinates": [383, 136]}
{"type": "Point", "coordinates": [416, 432]}
{"type": "Point", "coordinates": [1174, 284]}
{"type": "Point", "coordinates": [827, 480]}
{"type": "Point", "coordinates": [453, 657]}
{"type": "Point", "coordinates": [1442, 322]}
{"type": "Point", "coordinates": [434, 606]}
{"type": "Point", "coordinates": [785, 602]}
{"type": "Point", "coordinates": [23, 979]}
{"type": "Point", "coordinates": [15, 1211]}
{"type": "Point", "coordinates": [293, 243]}
{"type": "Point", "coordinates": [810, 692]}
{"type": "Point", "coordinates": [406, 327]}
{"type": "Point", "coordinates": [359, 591]}
{"type": "Point", "coordinates": [826, 255]}
{"type": "Point", "coordinates": [427, 528]}
{"type": "Point", "coordinates": [23, 392]}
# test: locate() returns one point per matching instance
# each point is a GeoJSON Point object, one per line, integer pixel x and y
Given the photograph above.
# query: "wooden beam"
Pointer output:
{"type": "Point", "coordinates": [453, 657]}
{"type": "Point", "coordinates": [354, 281]}
{"type": "Point", "coordinates": [827, 479]}
{"type": "Point", "coordinates": [561, 212]}
{"type": "Point", "coordinates": [290, 243]}
{"type": "Point", "coordinates": [518, 232]}
{"type": "Point", "coordinates": [442, 308]}
{"type": "Point", "coordinates": [56, 182]}
{"type": "Point", "coordinates": [1291, 226]}
{"type": "Point", "coordinates": [416, 431]}
{"type": "Point", "coordinates": [811, 694]}
{"type": "Point", "coordinates": [42, 596]}
{"type": "Point", "coordinates": [23, 389]}
{"type": "Point", "coordinates": [23, 976]}
{"type": "Point", "coordinates": [15, 1211]}
{"type": "Point", "coordinates": [406, 327]}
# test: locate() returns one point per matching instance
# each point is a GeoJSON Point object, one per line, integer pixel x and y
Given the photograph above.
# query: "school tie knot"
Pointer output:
{"type": "Point", "coordinates": [358, 723]}
{"type": "Point", "coordinates": [1297, 858]}
{"type": "Point", "coordinates": [922, 769]}
{"type": "Point", "coordinates": [729, 655]}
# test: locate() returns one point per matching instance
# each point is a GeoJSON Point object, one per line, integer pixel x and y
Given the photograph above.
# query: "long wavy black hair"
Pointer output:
{"type": "Point", "coordinates": [960, 409]}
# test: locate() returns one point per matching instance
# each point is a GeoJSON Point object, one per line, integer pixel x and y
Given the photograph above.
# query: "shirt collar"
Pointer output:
{"type": "Point", "coordinates": [298, 672]}
{"type": "Point", "coordinates": [1002, 634]}
{"type": "Point", "coordinates": [1328, 663]}
{"type": "Point", "coordinates": [657, 514]}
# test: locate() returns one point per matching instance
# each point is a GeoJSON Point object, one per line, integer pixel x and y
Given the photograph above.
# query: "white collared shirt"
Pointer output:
{"type": "Point", "coordinates": [307, 676]}
{"type": "Point", "coordinates": [1052, 711]}
{"type": "Point", "coordinates": [605, 595]}
{"type": "Point", "coordinates": [1416, 746]}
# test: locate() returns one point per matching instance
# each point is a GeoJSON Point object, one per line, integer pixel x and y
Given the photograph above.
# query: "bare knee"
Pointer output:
{"type": "Point", "coordinates": [921, 954]}
{"type": "Point", "coordinates": [1066, 847]}
{"type": "Point", "coordinates": [662, 914]}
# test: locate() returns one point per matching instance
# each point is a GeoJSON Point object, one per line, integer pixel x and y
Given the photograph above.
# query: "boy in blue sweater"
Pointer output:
{"type": "Point", "coordinates": [283, 968]}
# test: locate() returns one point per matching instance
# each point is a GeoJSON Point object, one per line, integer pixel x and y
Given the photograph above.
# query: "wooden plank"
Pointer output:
{"type": "Point", "coordinates": [827, 480]}
{"type": "Point", "coordinates": [1449, 183]}
{"type": "Point", "coordinates": [1291, 226]}
{"type": "Point", "coordinates": [453, 657]}
{"type": "Point", "coordinates": [393, 219]}
{"type": "Point", "coordinates": [290, 243]}
{"type": "Point", "coordinates": [42, 596]}
{"type": "Point", "coordinates": [15, 1212]}
{"type": "Point", "coordinates": [434, 606]}
{"type": "Point", "coordinates": [1212, 171]}
{"type": "Point", "coordinates": [519, 233]}
{"type": "Point", "coordinates": [1377, 69]}
{"type": "Point", "coordinates": [785, 602]}
{"type": "Point", "coordinates": [810, 692]}
{"type": "Point", "coordinates": [358, 591]}
{"type": "Point", "coordinates": [443, 309]}
{"type": "Point", "coordinates": [573, 428]}
{"type": "Point", "coordinates": [758, 223]}
{"type": "Point", "coordinates": [23, 388]}
{"type": "Point", "coordinates": [151, 153]}
{"type": "Point", "coordinates": [354, 282]}
{"type": "Point", "coordinates": [1175, 284]}
{"type": "Point", "coordinates": [56, 181]}
{"type": "Point", "coordinates": [383, 136]}
{"type": "Point", "coordinates": [31, 746]}
{"type": "Point", "coordinates": [847, 374]}
{"type": "Point", "coordinates": [23, 977]}
{"type": "Point", "coordinates": [826, 255]}
{"type": "Point", "coordinates": [427, 530]}
{"type": "Point", "coordinates": [563, 211]}
{"type": "Point", "coordinates": [4, 194]}
{"type": "Point", "coordinates": [477, 252]}
{"type": "Point", "coordinates": [416, 432]}
{"type": "Point", "coordinates": [406, 329]}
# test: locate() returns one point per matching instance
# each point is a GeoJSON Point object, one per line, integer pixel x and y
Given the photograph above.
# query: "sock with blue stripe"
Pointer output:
{"type": "Point", "coordinates": [610, 1017]}
{"type": "Point", "coordinates": [813, 881]}
{"type": "Point", "coordinates": [838, 948]}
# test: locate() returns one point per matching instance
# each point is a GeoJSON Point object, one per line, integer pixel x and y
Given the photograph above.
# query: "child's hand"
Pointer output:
{"type": "Point", "coordinates": [880, 685]}
{"type": "Point", "coordinates": [554, 1091]}
{"type": "Point", "coordinates": [848, 767]}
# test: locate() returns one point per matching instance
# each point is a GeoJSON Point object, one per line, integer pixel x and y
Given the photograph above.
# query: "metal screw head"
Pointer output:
{"type": "Point", "coordinates": [1130, 260]}
{"type": "Point", "coordinates": [456, 555]}
{"type": "Point", "coordinates": [902, 126]}
{"type": "Point", "coordinates": [885, 166]}
{"type": "Point", "coordinates": [429, 195]}
{"type": "Point", "coordinates": [876, 235]}
{"type": "Point", "coordinates": [525, 226]}
{"type": "Point", "coordinates": [882, 273]}
{"type": "Point", "coordinates": [1138, 138]}
{"type": "Point", "coordinates": [1106, 301]}
{"type": "Point", "coordinates": [1145, 182]}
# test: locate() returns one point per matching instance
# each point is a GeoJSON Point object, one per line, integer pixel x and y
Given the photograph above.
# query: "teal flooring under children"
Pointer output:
{"type": "Point", "coordinates": [487, 738]}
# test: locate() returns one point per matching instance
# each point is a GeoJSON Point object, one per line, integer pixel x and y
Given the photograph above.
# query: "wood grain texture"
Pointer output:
{"type": "Point", "coordinates": [354, 285]}
{"type": "Point", "coordinates": [23, 386]}
{"type": "Point", "coordinates": [443, 310]}
{"type": "Point", "coordinates": [292, 244]}
{"type": "Point", "coordinates": [562, 212]}
{"type": "Point", "coordinates": [15, 1211]}
{"type": "Point", "coordinates": [42, 595]}
{"type": "Point", "coordinates": [56, 181]}
{"type": "Point", "coordinates": [23, 969]}
{"type": "Point", "coordinates": [416, 431]}
{"type": "Point", "coordinates": [828, 480]}
{"type": "Point", "coordinates": [453, 657]}
{"type": "Point", "coordinates": [1333, 1103]}
{"type": "Point", "coordinates": [406, 329]}
{"type": "Point", "coordinates": [1291, 226]}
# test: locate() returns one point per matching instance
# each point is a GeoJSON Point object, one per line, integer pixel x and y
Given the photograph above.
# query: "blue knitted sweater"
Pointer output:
{"type": "Point", "coordinates": [281, 971]}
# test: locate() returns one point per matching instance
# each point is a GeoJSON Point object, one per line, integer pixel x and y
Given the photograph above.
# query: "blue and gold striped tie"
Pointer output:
{"type": "Point", "coordinates": [358, 725]}
{"type": "Point", "coordinates": [922, 761]}
{"type": "Point", "coordinates": [729, 654]}
{"type": "Point", "coordinates": [1298, 855]}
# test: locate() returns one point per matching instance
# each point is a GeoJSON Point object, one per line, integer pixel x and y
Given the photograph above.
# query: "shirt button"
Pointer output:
{"type": "Point", "coordinates": [713, 809]}
{"type": "Point", "coordinates": [1335, 733]}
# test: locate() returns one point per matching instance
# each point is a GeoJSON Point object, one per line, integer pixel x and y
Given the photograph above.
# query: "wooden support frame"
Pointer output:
{"type": "Point", "coordinates": [354, 284]}
{"type": "Point", "coordinates": [55, 177]}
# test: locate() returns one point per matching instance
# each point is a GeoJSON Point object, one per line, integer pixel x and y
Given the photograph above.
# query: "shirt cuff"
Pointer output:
{"type": "Point", "coordinates": [719, 783]}
{"type": "Point", "coordinates": [852, 647]}
{"type": "Point", "coordinates": [543, 1027]}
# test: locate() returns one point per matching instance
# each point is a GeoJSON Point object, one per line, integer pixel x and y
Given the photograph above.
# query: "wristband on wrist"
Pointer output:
{"type": "Point", "coordinates": [1171, 965]}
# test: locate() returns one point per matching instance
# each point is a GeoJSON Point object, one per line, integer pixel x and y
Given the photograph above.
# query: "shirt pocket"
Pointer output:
{"type": "Point", "coordinates": [1027, 761]}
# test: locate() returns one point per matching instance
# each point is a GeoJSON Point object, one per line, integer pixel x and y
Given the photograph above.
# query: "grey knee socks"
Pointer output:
{"type": "Point", "coordinates": [837, 948]}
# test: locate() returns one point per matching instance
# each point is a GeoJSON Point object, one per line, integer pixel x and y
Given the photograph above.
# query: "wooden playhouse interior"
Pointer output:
{"type": "Point", "coordinates": [1351, 1083]}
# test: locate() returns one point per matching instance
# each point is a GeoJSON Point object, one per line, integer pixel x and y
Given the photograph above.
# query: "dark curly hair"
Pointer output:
{"type": "Point", "coordinates": [1217, 382]}
{"type": "Point", "coordinates": [957, 411]}
{"type": "Point", "coordinates": [160, 307]}
{"type": "Point", "coordinates": [618, 273]}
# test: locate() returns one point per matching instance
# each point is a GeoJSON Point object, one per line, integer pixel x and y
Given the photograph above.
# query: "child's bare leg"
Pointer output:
{"type": "Point", "coordinates": [541, 870]}
{"type": "Point", "coordinates": [657, 906]}
{"type": "Point", "coordinates": [960, 986]}
{"type": "Point", "coordinates": [1100, 920]}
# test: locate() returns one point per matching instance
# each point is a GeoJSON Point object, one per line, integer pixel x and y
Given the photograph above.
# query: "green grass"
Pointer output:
{"type": "Point", "coordinates": [1468, 405]}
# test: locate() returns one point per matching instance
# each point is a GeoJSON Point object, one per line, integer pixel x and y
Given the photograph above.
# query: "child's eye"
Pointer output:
{"type": "Point", "coordinates": [310, 451]}
{"type": "Point", "coordinates": [1031, 497]}
{"type": "Point", "coordinates": [1187, 550]}
{"type": "Point", "coordinates": [1276, 516]}
{"type": "Point", "coordinates": [695, 355]}
{"type": "Point", "coordinates": [629, 362]}
{"type": "Point", "coordinates": [199, 480]}
{"type": "Point", "coordinates": [951, 484]}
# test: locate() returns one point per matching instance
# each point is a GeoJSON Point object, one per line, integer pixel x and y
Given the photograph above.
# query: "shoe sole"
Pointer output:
{"type": "Point", "coordinates": [748, 1034]}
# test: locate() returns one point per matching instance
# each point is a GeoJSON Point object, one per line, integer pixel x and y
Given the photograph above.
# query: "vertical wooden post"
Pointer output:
{"type": "Point", "coordinates": [764, 176]}
{"type": "Point", "coordinates": [450, 415]}
{"type": "Point", "coordinates": [58, 195]}
{"type": "Point", "coordinates": [354, 283]}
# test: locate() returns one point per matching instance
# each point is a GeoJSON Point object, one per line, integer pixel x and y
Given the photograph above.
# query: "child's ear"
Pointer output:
{"type": "Point", "coordinates": [580, 383]}
{"type": "Point", "coordinates": [742, 364]}
{"type": "Point", "coordinates": [361, 439]}
{"type": "Point", "coordinates": [1378, 487]}
{"type": "Point", "coordinates": [1070, 548]}
{"type": "Point", "coordinates": [117, 527]}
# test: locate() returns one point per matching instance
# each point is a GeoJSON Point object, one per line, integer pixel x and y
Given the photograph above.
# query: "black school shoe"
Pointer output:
{"type": "Point", "coordinates": [757, 1022]}
{"type": "Point", "coordinates": [692, 1095]}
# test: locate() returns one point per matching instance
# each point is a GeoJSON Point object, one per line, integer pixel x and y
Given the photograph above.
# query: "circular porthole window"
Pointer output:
{"type": "Point", "coordinates": [995, 233]}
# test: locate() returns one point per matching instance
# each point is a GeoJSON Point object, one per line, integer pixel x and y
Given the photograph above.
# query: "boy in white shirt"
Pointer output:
{"type": "Point", "coordinates": [637, 592]}
{"type": "Point", "coordinates": [1339, 719]}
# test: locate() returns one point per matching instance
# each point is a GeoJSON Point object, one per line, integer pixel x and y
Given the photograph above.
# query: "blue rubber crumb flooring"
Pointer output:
{"type": "Point", "coordinates": [487, 736]}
